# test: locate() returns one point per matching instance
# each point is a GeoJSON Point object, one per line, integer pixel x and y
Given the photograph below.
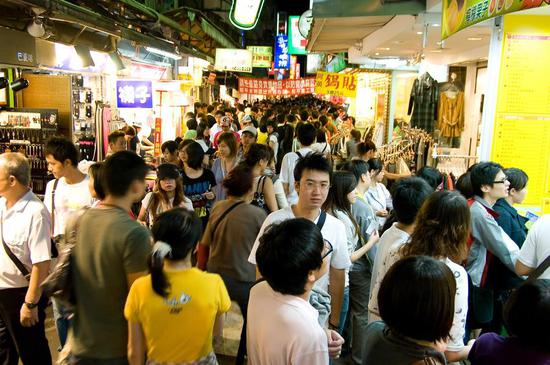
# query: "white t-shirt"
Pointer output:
{"type": "Point", "coordinates": [26, 231]}
{"type": "Point", "coordinates": [391, 240]}
{"type": "Point", "coordinates": [333, 231]}
{"type": "Point", "coordinates": [213, 131]}
{"type": "Point", "coordinates": [287, 172]}
{"type": "Point", "coordinates": [273, 139]}
{"type": "Point", "coordinates": [289, 335]}
{"type": "Point", "coordinates": [351, 236]}
{"type": "Point", "coordinates": [379, 198]}
{"type": "Point", "coordinates": [203, 144]}
{"type": "Point", "coordinates": [322, 148]}
{"type": "Point", "coordinates": [163, 207]}
{"type": "Point", "coordinates": [69, 198]}
{"type": "Point", "coordinates": [537, 245]}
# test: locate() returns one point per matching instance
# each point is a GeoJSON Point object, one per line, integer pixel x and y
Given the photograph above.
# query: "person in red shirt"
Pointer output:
{"type": "Point", "coordinates": [226, 127]}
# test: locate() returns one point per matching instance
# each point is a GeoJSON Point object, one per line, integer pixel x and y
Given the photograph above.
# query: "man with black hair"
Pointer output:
{"type": "Point", "coordinates": [489, 241]}
{"type": "Point", "coordinates": [216, 128]}
{"type": "Point", "coordinates": [24, 264]}
{"type": "Point", "coordinates": [408, 195]}
{"type": "Point", "coordinates": [110, 253]}
{"type": "Point", "coordinates": [169, 151]}
{"type": "Point", "coordinates": [312, 177]}
{"type": "Point", "coordinates": [64, 195]}
{"type": "Point", "coordinates": [306, 136]}
{"type": "Point", "coordinates": [117, 142]}
{"type": "Point", "coordinates": [211, 119]}
{"type": "Point", "coordinates": [291, 257]}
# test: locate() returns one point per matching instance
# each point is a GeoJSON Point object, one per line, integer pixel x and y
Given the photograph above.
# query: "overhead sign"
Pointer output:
{"type": "Point", "coordinates": [270, 87]}
{"type": "Point", "coordinates": [282, 57]}
{"type": "Point", "coordinates": [336, 84]}
{"type": "Point", "coordinates": [134, 94]}
{"type": "Point", "coordinates": [261, 56]}
{"type": "Point", "coordinates": [460, 14]}
{"type": "Point", "coordinates": [304, 24]}
{"type": "Point", "coordinates": [296, 41]}
{"type": "Point", "coordinates": [244, 14]}
{"type": "Point", "coordinates": [233, 59]}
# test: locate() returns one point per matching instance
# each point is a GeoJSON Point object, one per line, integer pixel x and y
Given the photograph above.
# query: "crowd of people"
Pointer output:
{"type": "Point", "coordinates": [281, 207]}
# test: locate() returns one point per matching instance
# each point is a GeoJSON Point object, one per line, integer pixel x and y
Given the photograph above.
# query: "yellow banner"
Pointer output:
{"type": "Point", "coordinates": [336, 84]}
{"type": "Point", "coordinates": [460, 14]}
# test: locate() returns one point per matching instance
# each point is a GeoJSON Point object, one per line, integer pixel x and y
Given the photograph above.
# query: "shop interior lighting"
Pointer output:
{"type": "Point", "coordinates": [475, 38]}
{"type": "Point", "coordinates": [160, 52]}
{"type": "Point", "coordinates": [36, 28]}
{"type": "Point", "coordinates": [85, 56]}
{"type": "Point", "coordinates": [19, 84]}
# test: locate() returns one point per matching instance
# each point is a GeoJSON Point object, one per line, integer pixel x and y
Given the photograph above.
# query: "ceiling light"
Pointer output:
{"type": "Point", "coordinates": [419, 33]}
{"type": "Point", "coordinates": [36, 28]}
{"type": "Point", "coordinates": [171, 55]}
{"type": "Point", "coordinates": [436, 51]}
{"type": "Point", "coordinates": [475, 38]}
{"type": "Point", "coordinates": [435, 25]}
{"type": "Point", "coordinates": [377, 54]}
{"type": "Point", "coordinates": [383, 48]}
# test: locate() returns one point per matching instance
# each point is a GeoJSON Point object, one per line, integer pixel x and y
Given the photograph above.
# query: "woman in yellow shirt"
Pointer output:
{"type": "Point", "coordinates": [173, 311]}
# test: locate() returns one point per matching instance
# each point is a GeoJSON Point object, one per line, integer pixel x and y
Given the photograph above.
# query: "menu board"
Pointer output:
{"type": "Point", "coordinates": [522, 124]}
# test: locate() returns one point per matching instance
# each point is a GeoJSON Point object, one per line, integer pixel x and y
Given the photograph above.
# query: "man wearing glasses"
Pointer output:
{"type": "Point", "coordinates": [489, 241]}
{"type": "Point", "coordinates": [312, 177]}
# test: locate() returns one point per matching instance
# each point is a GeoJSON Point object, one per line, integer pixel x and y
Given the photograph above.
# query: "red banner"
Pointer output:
{"type": "Point", "coordinates": [269, 87]}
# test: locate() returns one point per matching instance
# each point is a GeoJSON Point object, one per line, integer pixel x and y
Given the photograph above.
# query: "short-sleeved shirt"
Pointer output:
{"type": "Point", "coordinates": [178, 328]}
{"type": "Point", "coordinates": [232, 242]}
{"type": "Point", "coordinates": [283, 329]}
{"type": "Point", "coordinates": [287, 172]}
{"type": "Point", "coordinates": [333, 231]}
{"type": "Point", "coordinates": [110, 245]}
{"type": "Point", "coordinates": [26, 231]}
{"type": "Point", "coordinates": [492, 349]}
{"type": "Point", "coordinates": [537, 245]}
{"type": "Point", "coordinates": [68, 199]}
{"type": "Point", "coordinates": [195, 189]}
{"type": "Point", "coordinates": [162, 206]}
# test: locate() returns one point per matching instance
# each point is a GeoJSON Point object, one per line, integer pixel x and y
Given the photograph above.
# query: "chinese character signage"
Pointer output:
{"type": "Point", "coordinates": [296, 42]}
{"type": "Point", "coordinates": [134, 94]}
{"type": "Point", "coordinates": [460, 14]}
{"type": "Point", "coordinates": [336, 84]}
{"type": "Point", "coordinates": [270, 87]}
{"type": "Point", "coordinates": [261, 56]}
{"type": "Point", "coordinates": [233, 59]}
{"type": "Point", "coordinates": [282, 57]}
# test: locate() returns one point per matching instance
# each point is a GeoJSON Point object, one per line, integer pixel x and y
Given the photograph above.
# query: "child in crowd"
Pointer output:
{"type": "Point", "coordinates": [173, 311]}
{"type": "Point", "coordinates": [167, 194]}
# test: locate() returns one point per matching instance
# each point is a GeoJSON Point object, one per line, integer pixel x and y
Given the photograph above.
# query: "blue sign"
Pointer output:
{"type": "Point", "coordinates": [282, 57]}
{"type": "Point", "coordinates": [134, 94]}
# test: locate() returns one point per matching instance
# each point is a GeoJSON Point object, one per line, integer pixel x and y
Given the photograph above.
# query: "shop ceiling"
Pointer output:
{"type": "Point", "coordinates": [366, 31]}
{"type": "Point", "coordinates": [99, 24]}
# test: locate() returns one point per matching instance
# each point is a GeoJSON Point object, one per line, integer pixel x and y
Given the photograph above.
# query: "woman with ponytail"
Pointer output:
{"type": "Point", "coordinates": [172, 312]}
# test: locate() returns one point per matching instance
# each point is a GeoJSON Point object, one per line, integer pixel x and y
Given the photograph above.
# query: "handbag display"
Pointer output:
{"type": "Point", "coordinates": [59, 284]}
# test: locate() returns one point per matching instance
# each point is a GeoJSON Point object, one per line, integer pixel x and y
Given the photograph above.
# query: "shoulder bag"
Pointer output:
{"type": "Point", "coordinates": [59, 284]}
{"type": "Point", "coordinates": [11, 255]}
{"type": "Point", "coordinates": [224, 214]}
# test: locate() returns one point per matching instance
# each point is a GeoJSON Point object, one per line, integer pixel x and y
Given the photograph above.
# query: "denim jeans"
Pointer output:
{"type": "Point", "coordinates": [359, 285]}
{"type": "Point", "coordinates": [62, 322]}
{"type": "Point", "coordinates": [344, 310]}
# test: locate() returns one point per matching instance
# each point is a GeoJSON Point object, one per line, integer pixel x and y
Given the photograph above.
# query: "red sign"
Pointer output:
{"type": "Point", "coordinates": [269, 87]}
{"type": "Point", "coordinates": [158, 136]}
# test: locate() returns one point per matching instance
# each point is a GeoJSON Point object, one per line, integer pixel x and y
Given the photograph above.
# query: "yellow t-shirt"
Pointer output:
{"type": "Point", "coordinates": [178, 328]}
{"type": "Point", "coordinates": [262, 137]}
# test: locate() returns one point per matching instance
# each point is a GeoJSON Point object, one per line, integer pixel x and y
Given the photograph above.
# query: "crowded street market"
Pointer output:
{"type": "Point", "coordinates": [271, 182]}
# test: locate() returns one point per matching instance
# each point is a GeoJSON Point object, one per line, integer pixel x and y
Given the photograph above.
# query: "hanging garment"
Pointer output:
{"type": "Point", "coordinates": [423, 103]}
{"type": "Point", "coordinates": [451, 114]}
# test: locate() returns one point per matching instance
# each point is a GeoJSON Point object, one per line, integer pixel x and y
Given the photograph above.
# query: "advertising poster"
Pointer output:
{"type": "Point", "coordinates": [262, 57]}
{"type": "Point", "coordinates": [233, 59]}
{"type": "Point", "coordinates": [336, 84]}
{"type": "Point", "coordinates": [270, 87]}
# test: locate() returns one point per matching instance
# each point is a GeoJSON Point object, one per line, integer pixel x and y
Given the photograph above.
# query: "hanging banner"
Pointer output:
{"type": "Point", "coordinates": [261, 56]}
{"type": "Point", "coordinates": [336, 84]}
{"type": "Point", "coordinates": [282, 57]}
{"type": "Point", "coordinates": [460, 14]}
{"type": "Point", "coordinates": [270, 87]}
{"type": "Point", "coordinates": [296, 41]}
{"type": "Point", "coordinates": [233, 59]}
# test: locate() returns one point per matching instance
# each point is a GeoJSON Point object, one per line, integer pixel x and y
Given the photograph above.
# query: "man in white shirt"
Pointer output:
{"type": "Point", "coordinates": [291, 257]}
{"type": "Point", "coordinates": [535, 249]}
{"type": "Point", "coordinates": [216, 127]}
{"type": "Point", "coordinates": [24, 264]}
{"type": "Point", "coordinates": [306, 136]}
{"type": "Point", "coordinates": [408, 195]}
{"type": "Point", "coordinates": [313, 174]}
{"type": "Point", "coordinates": [64, 196]}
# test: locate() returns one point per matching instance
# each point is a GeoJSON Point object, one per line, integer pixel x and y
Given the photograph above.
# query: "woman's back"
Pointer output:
{"type": "Point", "coordinates": [178, 328]}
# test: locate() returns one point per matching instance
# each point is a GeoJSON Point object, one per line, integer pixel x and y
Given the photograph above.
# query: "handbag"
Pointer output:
{"type": "Point", "coordinates": [24, 271]}
{"type": "Point", "coordinates": [59, 284]}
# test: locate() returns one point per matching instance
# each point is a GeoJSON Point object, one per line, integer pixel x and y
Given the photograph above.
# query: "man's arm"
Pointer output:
{"type": "Point", "coordinates": [336, 291]}
{"type": "Point", "coordinates": [39, 272]}
{"type": "Point", "coordinates": [522, 269]}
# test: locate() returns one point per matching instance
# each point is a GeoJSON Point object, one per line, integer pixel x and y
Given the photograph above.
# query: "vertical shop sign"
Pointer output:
{"type": "Point", "coordinates": [336, 84]}
{"type": "Point", "coordinates": [134, 94]}
{"type": "Point", "coordinates": [158, 136]}
{"type": "Point", "coordinates": [460, 14]}
{"type": "Point", "coordinates": [296, 41]}
{"type": "Point", "coordinates": [282, 57]}
{"type": "Point", "coordinates": [261, 56]}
